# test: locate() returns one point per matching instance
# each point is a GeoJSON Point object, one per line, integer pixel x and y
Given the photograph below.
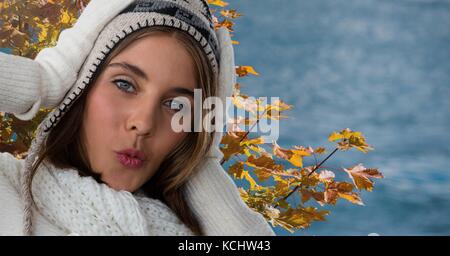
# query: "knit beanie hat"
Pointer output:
{"type": "Point", "coordinates": [64, 71]}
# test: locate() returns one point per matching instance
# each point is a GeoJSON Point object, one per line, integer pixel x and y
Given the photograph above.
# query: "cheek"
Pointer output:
{"type": "Point", "coordinates": [169, 138]}
{"type": "Point", "coordinates": [100, 118]}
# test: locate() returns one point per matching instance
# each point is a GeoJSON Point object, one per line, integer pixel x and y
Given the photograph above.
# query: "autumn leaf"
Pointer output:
{"type": "Point", "coordinates": [264, 161]}
{"type": "Point", "coordinates": [319, 150]}
{"type": "Point", "coordinates": [326, 176]}
{"type": "Point", "coordinates": [232, 14]}
{"type": "Point", "coordinates": [361, 176]}
{"type": "Point", "coordinates": [274, 111]}
{"type": "Point", "coordinates": [250, 179]}
{"type": "Point", "coordinates": [228, 24]}
{"type": "Point", "coordinates": [284, 204]}
{"type": "Point", "coordinates": [349, 139]}
{"type": "Point", "coordinates": [335, 190]}
{"type": "Point", "coordinates": [308, 194]}
{"type": "Point", "coordinates": [301, 217]}
{"type": "Point", "coordinates": [294, 156]}
{"type": "Point", "coordinates": [352, 197]}
{"type": "Point", "coordinates": [279, 105]}
{"type": "Point", "coordinates": [272, 213]}
{"type": "Point", "coordinates": [249, 104]}
{"type": "Point", "coordinates": [308, 178]}
{"type": "Point", "coordinates": [65, 17]}
{"type": "Point", "coordinates": [245, 70]}
{"type": "Point", "coordinates": [236, 170]}
{"type": "Point", "coordinates": [281, 186]}
{"type": "Point", "coordinates": [255, 141]}
{"type": "Point", "coordinates": [218, 3]}
{"type": "Point", "coordinates": [330, 196]}
{"type": "Point", "coordinates": [262, 174]}
{"type": "Point", "coordinates": [231, 145]}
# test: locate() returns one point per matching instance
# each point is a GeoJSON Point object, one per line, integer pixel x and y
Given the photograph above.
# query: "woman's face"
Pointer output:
{"type": "Point", "coordinates": [130, 107]}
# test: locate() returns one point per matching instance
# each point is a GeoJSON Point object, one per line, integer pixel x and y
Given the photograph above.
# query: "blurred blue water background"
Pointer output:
{"type": "Point", "coordinates": [378, 66]}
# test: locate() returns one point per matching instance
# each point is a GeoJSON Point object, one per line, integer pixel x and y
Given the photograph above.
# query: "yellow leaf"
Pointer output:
{"type": "Point", "coordinates": [247, 152]}
{"type": "Point", "coordinates": [218, 3]}
{"type": "Point", "coordinates": [65, 17]}
{"type": "Point", "coordinates": [256, 149]}
{"type": "Point", "coordinates": [228, 24]}
{"type": "Point", "coordinates": [301, 151]}
{"type": "Point", "coordinates": [350, 139]}
{"type": "Point", "coordinates": [279, 106]}
{"type": "Point", "coordinates": [335, 136]}
{"type": "Point", "coordinates": [250, 180]}
{"type": "Point", "coordinates": [42, 36]}
{"type": "Point", "coordinates": [352, 197]}
{"type": "Point", "coordinates": [296, 160]}
{"type": "Point", "coordinates": [255, 141]}
{"type": "Point", "coordinates": [233, 14]}
{"type": "Point", "coordinates": [245, 70]}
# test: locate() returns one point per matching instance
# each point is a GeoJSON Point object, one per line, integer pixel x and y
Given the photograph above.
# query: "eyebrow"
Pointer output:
{"type": "Point", "coordinates": [134, 69]}
{"type": "Point", "coordinates": [138, 72]}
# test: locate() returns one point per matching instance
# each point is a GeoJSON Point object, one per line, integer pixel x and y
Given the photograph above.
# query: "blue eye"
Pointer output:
{"type": "Point", "coordinates": [124, 85]}
{"type": "Point", "coordinates": [175, 105]}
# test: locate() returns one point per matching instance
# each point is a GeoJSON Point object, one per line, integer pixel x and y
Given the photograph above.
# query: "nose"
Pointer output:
{"type": "Point", "coordinates": [143, 119]}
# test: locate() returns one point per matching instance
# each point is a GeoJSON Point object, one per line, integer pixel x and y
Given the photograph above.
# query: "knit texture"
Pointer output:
{"type": "Point", "coordinates": [82, 206]}
{"type": "Point", "coordinates": [21, 89]}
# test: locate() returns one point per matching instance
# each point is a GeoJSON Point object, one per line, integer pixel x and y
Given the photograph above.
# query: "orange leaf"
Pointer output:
{"type": "Point", "coordinates": [236, 170]}
{"type": "Point", "coordinates": [228, 24]}
{"type": "Point", "coordinates": [245, 70]}
{"type": "Point", "coordinates": [218, 3]}
{"type": "Point", "coordinates": [360, 176]}
{"type": "Point", "coordinates": [232, 14]}
{"type": "Point", "coordinates": [352, 197]}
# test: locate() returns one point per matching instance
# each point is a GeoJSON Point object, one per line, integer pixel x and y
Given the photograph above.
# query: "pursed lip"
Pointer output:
{"type": "Point", "coordinates": [133, 153]}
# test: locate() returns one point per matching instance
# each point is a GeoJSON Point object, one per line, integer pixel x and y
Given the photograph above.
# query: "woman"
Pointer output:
{"type": "Point", "coordinates": [106, 160]}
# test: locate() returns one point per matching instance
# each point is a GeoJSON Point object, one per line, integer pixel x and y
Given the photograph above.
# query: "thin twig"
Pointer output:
{"type": "Point", "coordinates": [246, 134]}
{"type": "Point", "coordinates": [315, 168]}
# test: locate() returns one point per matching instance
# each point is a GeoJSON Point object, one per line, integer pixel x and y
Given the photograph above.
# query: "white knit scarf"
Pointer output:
{"type": "Point", "coordinates": [82, 206]}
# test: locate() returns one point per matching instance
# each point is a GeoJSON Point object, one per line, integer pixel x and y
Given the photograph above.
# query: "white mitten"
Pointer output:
{"type": "Point", "coordinates": [211, 193]}
{"type": "Point", "coordinates": [44, 81]}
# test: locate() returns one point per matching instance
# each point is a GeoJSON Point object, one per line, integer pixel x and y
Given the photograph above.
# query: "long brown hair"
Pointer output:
{"type": "Point", "coordinates": [64, 147]}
